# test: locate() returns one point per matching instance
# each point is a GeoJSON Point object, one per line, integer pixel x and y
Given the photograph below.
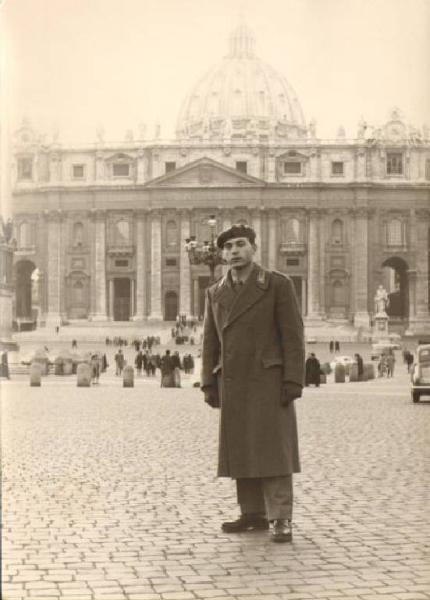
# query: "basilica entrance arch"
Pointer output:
{"type": "Point", "coordinates": [395, 281]}
{"type": "Point", "coordinates": [121, 299]}
{"type": "Point", "coordinates": [25, 294]}
{"type": "Point", "coordinates": [171, 308]}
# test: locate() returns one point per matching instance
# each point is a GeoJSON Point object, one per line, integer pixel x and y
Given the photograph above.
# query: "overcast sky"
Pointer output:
{"type": "Point", "coordinates": [77, 63]}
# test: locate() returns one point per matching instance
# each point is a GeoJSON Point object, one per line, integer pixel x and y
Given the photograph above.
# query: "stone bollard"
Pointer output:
{"type": "Point", "coordinates": [353, 372]}
{"type": "Point", "coordinates": [58, 366]}
{"type": "Point", "coordinates": [128, 376]}
{"type": "Point", "coordinates": [35, 375]}
{"type": "Point", "coordinates": [67, 366]}
{"type": "Point", "coordinates": [339, 373]}
{"type": "Point", "coordinates": [369, 370]}
{"type": "Point", "coordinates": [83, 375]}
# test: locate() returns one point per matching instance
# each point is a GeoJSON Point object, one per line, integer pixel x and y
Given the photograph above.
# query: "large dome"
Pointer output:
{"type": "Point", "coordinates": [241, 98]}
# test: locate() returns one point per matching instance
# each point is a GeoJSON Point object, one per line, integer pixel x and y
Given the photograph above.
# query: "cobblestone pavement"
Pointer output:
{"type": "Point", "coordinates": [110, 493]}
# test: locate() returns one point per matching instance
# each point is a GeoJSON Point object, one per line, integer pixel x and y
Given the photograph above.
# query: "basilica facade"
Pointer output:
{"type": "Point", "coordinates": [101, 229]}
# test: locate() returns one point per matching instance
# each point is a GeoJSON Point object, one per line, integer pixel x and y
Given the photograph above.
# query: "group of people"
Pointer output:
{"type": "Point", "coordinates": [386, 364]}
{"type": "Point", "coordinates": [334, 346]}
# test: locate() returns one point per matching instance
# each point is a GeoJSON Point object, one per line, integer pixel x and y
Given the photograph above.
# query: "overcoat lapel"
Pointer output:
{"type": "Point", "coordinates": [253, 290]}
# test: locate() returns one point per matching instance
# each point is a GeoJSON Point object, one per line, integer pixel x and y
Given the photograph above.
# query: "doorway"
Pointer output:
{"type": "Point", "coordinates": [171, 309]}
{"type": "Point", "coordinates": [122, 299]}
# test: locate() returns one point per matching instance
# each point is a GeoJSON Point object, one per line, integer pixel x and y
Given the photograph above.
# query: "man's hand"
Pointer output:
{"type": "Point", "coordinates": [211, 397]}
{"type": "Point", "coordinates": [290, 391]}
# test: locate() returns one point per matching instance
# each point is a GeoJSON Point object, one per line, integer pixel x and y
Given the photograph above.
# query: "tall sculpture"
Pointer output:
{"type": "Point", "coordinates": [7, 247]}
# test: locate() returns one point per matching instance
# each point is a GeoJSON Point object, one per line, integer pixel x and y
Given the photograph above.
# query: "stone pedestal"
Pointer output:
{"type": "Point", "coordinates": [380, 328]}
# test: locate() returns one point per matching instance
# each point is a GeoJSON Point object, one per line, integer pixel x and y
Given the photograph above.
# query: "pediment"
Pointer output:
{"type": "Point", "coordinates": [294, 155]}
{"type": "Point", "coordinates": [205, 172]}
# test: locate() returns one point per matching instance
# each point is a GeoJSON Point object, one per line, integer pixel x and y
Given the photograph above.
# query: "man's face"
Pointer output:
{"type": "Point", "coordinates": [238, 252]}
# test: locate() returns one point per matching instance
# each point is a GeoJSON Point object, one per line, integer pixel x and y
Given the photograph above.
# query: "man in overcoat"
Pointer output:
{"type": "Point", "coordinates": [253, 370]}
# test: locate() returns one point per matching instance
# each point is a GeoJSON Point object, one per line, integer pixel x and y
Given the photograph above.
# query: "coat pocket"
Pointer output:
{"type": "Point", "coordinates": [272, 361]}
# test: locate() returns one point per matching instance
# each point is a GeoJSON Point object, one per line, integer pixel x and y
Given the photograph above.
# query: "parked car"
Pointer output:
{"type": "Point", "coordinates": [420, 373]}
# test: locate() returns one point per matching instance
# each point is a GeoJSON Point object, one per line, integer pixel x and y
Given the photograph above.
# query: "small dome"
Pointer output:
{"type": "Point", "coordinates": [241, 98]}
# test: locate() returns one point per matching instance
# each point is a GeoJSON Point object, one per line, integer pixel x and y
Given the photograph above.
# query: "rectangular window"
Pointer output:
{"type": "Point", "coordinates": [170, 166]}
{"type": "Point", "coordinates": [293, 262]}
{"type": "Point", "coordinates": [121, 263]}
{"type": "Point", "coordinates": [394, 163]}
{"type": "Point", "coordinates": [242, 166]}
{"type": "Point", "coordinates": [25, 169]}
{"type": "Point", "coordinates": [337, 168]}
{"type": "Point", "coordinates": [292, 167]}
{"type": "Point", "coordinates": [120, 169]}
{"type": "Point", "coordinates": [78, 171]}
{"type": "Point", "coordinates": [428, 168]}
{"type": "Point", "coordinates": [171, 262]}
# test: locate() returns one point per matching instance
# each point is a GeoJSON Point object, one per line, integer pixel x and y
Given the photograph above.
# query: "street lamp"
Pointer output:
{"type": "Point", "coordinates": [205, 253]}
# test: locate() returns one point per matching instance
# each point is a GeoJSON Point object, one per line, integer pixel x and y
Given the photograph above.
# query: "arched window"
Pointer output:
{"type": "Point", "coordinates": [290, 230]}
{"type": "Point", "coordinates": [339, 298]}
{"type": "Point", "coordinates": [395, 233]}
{"type": "Point", "coordinates": [78, 293]}
{"type": "Point", "coordinates": [25, 235]}
{"type": "Point", "coordinates": [337, 231]}
{"type": "Point", "coordinates": [122, 232]}
{"type": "Point", "coordinates": [78, 234]}
{"type": "Point", "coordinates": [171, 233]}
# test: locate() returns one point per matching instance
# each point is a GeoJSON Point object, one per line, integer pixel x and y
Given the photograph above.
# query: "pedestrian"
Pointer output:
{"type": "Point", "coordinates": [409, 360]}
{"type": "Point", "coordinates": [312, 370]}
{"type": "Point", "coordinates": [74, 344]}
{"type": "Point", "coordinates": [119, 361]}
{"type": "Point", "coordinates": [167, 370]}
{"type": "Point", "coordinates": [391, 361]}
{"type": "Point", "coordinates": [138, 361]}
{"type": "Point", "coordinates": [336, 346]}
{"type": "Point", "coordinates": [253, 370]}
{"type": "Point", "coordinates": [4, 365]}
{"type": "Point", "coordinates": [360, 366]}
{"type": "Point", "coordinates": [95, 368]}
{"type": "Point", "coordinates": [331, 346]}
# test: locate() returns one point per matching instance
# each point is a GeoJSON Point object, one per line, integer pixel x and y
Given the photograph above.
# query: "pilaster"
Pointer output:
{"type": "Point", "coordinates": [256, 225]}
{"type": "Point", "coordinates": [98, 271]}
{"type": "Point", "coordinates": [314, 281]}
{"type": "Point", "coordinates": [272, 236]}
{"type": "Point", "coordinates": [156, 307]}
{"type": "Point", "coordinates": [140, 266]}
{"type": "Point", "coordinates": [53, 282]}
{"type": "Point", "coordinates": [184, 266]}
{"type": "Point", "coordinates": [360, 274]}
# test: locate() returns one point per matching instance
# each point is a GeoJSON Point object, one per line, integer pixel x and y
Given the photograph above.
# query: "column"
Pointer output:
{"type": "Point", "coordinates": [272, 236]}
{"type": "Point", "coordinates": [184, 267]}
{"type": "Point", "coordinates": [226, 224]}
{"type": "Point", "coordinates": [53, 268]}
{"type": "Point", "coordinates": [360, 273]}
{"type": "Point", "coordinates": [156, 308]}
{"type": "Point", "coordinates": [256, 225]}
{"type": "Point", "coordinates": [196, 297]}
{"type": "Point", "coordinates": [111, 298]}
{"type": "Point", "coordinates": [140, 311]}
{"type": "Point", "coordinates": [314, 304]}
{"type": "Point", "coordinates": [322, 270]}
{"type": "Point", "coordinates": [420, 322]}
{"type": "Point", "coordinates": [304, 296]}
{"type": "Point", "coordinates": [98, 271]}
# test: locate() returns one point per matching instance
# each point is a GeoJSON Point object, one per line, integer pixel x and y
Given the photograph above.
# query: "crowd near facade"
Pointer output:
{"type": "Point", "coordinates": [101, 229]}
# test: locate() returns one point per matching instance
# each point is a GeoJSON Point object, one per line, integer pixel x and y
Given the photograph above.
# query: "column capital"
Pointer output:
{"type": "Point", "coordinates": [314, 213]}
{"type": "Point", "coordinates": [361, 212]}
{"type": "Point", "coordinates": [422, 214]}
{"type": "Point", "coordinates": [53, 215]}
{"type": "Point", "coordinates": [97, 213]}
{"type": "Point", "coordinates": [155, 213]}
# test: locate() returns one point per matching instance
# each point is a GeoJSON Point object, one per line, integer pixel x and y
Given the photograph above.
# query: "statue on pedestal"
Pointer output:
{"type": "Point", "coordinates": [381, 300]}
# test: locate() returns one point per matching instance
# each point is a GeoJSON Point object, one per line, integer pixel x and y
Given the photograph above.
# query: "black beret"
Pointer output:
{"type": "Point", "coordinates": [236, 231]}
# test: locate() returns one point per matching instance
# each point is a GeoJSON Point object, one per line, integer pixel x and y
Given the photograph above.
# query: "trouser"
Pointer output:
{"type": "Point", "coordinates": [270, 496]}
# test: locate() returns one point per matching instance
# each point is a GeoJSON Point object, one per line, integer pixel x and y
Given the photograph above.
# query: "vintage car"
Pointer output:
{"type": "Point", "coordinates": [420, 373]}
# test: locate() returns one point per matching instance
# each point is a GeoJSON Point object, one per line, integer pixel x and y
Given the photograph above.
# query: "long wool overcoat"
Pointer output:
{"type": "Point", "coordinates": [252, 343]}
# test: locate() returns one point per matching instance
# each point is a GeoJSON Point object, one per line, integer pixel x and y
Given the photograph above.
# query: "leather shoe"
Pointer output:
{"type": "Point", "coordinates": [282, 531]}
{"type": "Point", "coordinates": [246, 523]}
